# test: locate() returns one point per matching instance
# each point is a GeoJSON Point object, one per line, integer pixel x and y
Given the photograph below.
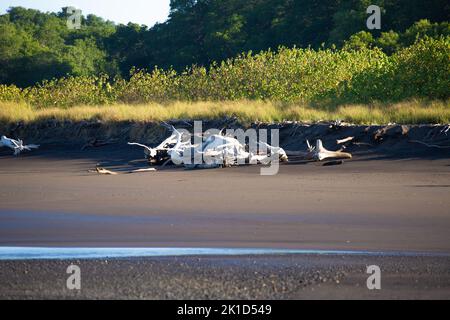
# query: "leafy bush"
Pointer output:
{"type": "Point", "coordinates": [11, 93]}
{"type": "Point", "coordinates": [322, 76]}
{"type": "Point", "coordinates": [65, 92]}
{"type": "Point", "coordinates": [419, 71]}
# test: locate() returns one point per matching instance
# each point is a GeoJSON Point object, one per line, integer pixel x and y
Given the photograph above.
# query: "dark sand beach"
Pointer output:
{"type": "Point", "coordinates": [239, 277]}
{"type": "Point", "coordinates": [374, 203]}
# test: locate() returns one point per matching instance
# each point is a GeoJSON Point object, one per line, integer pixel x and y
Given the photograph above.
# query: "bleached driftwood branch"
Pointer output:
{"type": "Point", "coordinates": [103, 171]}
{"type": "Point", "coordinates": [16, 145]}
{"type": "Point", "coordinates": [341, 141]}
{"type": "Point", "coordinates": [319, 153]}
{"type": "Point", "coordinates": [109, 172]}
{"type": "Point", "coordinates": [143, 170]}
{"type": "Point", "coordinates": [160, 153]}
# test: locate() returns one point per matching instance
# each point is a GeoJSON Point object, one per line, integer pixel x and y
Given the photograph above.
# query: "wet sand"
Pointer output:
{"type": "Point", "coordinates": [48, 198]}
{"type": "Point", "coordinates": [240, 277]}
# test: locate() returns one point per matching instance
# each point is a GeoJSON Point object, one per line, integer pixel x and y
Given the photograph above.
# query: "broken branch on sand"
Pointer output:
{"type": "Point", "coordinates": [341, 141]}
{"type": "Point", "coordinates": [143, 170]}
{"type": "Point", "coordinates": [16, 145]}
{"type": "Point", "coordinates": [103, 171]}
{"type": "Point", "coordinates": [319, 153]}
{"type": "Point", "coordinates": [109, 172]}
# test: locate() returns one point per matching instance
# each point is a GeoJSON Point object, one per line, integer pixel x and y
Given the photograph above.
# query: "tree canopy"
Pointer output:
{"type": "Point", "coordinates": [35, 46]}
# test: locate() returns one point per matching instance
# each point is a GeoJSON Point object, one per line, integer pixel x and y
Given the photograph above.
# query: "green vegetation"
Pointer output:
{"type": "Point", "coordinates": [324, 77]}
{"type": "Point", "coordinates": [36, 46]}
{"type": "Point", "coordinates": [265, 60]}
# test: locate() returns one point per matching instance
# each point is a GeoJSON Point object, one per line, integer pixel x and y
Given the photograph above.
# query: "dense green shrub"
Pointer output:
{"type": "Point", "coordinates": [69, 91]}
{"type": "Point", "coordinates": [146, 87]}
{"type": "Point", "coordinates": [11, 93]}
{"type": "Point", "coordinates": [419, 71]}
{"type": "Point", "coordinates": [348, 75]}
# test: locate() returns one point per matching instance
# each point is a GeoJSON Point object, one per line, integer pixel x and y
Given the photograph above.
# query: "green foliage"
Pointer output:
{"type": "Point", "coordinates": [424, 28]}
{"type": "Point", "coordinates": [69, 91]}
{"type": "Point", "coordinates": [359, 41]}
{"type": "Point", "coordinates": [419, 71]}
{"type": "Point", "coordinates": [11, 93]}
{"type": "Point", "coordinates": [36, 46]}
{"type": "Point", "coordinates": [84, 58]}
{"type": "Point", "coordinates": [63, 68]}
{"type": "Point", "coordinates": [146, 87]}
{"type": "Point", "coordinates": [389, 42]}
{"type": "Point", "coordinates": [291, 75]}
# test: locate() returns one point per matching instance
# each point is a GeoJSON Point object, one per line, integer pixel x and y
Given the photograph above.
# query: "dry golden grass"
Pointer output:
{"type": "Point", "coordinates": [247, 111]}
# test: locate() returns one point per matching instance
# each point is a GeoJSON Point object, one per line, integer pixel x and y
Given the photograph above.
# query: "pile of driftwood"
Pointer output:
{"type": "Point", "coordinates": [221, 150]}
{"type": "Point", "coordinates": [217, 150]}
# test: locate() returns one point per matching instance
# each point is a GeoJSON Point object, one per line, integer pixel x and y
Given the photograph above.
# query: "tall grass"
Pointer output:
{"type": "Point", "coordinates": [246, 111]}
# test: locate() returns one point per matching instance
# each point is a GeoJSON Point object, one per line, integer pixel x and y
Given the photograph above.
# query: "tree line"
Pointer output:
{"type": "Point", "coordinates": [37, 46]}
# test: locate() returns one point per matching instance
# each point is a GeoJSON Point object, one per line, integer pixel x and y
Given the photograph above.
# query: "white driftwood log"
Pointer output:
{"type": "Point", "coordinates": [319, 153]}
{"type": "Point", "coordinates": [16, 145]}
{"type": "Point", "coordinates": [341, 141]}
{"type": "Point", "coordinates": [166, 145]}
{"type": "Point", "coordinates": [143, 170]}
{"type": "Point", "coordinates": [109, 172]}
{"type": "Point", "coordinates": [103, 171]}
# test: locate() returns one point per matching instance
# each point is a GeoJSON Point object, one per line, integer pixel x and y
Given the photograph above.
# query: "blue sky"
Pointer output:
{"type": "Point", "coordinates": [146, 12]}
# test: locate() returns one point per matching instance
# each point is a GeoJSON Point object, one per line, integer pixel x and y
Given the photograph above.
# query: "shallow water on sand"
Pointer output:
{"type": "Point", "coordinates": [27, 253]}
